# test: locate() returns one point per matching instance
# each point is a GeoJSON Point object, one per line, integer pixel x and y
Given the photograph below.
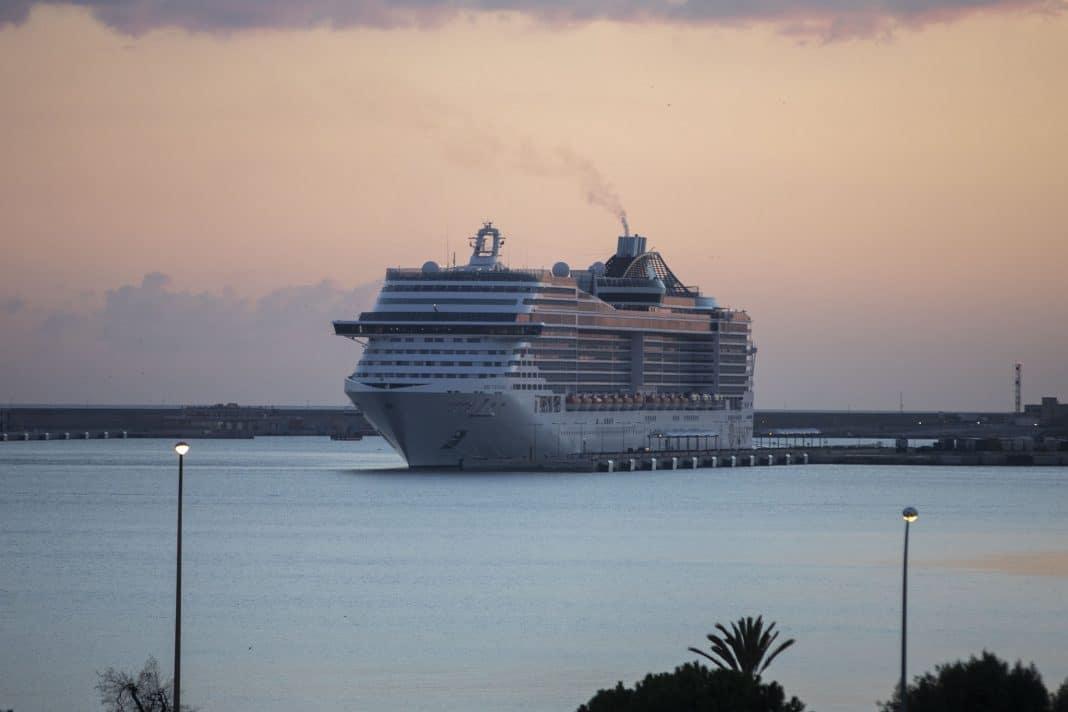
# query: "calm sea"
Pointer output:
{"type": "Point", "coordinates": [320, 575]}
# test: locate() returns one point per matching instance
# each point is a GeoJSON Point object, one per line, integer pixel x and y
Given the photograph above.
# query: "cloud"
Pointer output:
{"type": "Point", "coordinates": [149, 343]}
{"type": "Point", "coordinates": [829, 19]}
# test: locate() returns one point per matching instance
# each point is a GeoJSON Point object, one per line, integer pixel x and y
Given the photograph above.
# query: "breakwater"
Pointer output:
{"type": "Point", "coordinates": [233, 420]}
{"type": "Point", "coordinates": [221, 420]}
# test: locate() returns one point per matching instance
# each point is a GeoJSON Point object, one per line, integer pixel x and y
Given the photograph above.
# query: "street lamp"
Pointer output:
{"type": "Point", "coordinates": [181, 448]}
{"type": "Point", "coordinates": [909, 514]}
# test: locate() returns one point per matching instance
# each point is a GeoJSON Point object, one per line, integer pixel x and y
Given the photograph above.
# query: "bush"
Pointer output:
{"type": "Point", "coordinates": [1059, 703]}
{"type": "Point", "coordinates": [695, 688]}
{"type": "Point", "coordinates": [985, 683]}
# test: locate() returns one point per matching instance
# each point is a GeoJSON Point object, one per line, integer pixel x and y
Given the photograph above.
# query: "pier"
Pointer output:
{"type": "Point", "coordinates": [653, 461]}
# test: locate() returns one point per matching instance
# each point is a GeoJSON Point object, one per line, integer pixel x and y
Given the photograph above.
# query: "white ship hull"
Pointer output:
{"type": "Point", "coordinates": [486, 429]}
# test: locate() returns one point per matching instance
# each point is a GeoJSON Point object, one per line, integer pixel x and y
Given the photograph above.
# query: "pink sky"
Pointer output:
{"type": "Point", "coordinates": [892, 209]}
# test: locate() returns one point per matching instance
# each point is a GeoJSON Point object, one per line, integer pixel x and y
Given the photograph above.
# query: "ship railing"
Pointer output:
{"type": "Point", "coordinates": [623, 402]}
{"type": "Point", "coordinates": [627, 282]}
{"type": "Point", "coordinates": [459, 275]}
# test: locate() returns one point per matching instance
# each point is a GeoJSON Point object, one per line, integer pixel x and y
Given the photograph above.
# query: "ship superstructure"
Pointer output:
{"type": "Point", "coordinates": [482, 364]}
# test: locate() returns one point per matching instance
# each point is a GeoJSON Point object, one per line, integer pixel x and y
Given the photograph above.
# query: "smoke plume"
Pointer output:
{"type": "Point", "coordinates": [598, 190]}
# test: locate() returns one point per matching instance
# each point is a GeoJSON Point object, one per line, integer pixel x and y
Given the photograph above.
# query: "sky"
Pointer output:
{"type": "Point", "coordinates": [191, 191]}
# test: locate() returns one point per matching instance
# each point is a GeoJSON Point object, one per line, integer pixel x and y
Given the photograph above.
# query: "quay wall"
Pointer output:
{"type": "Point", "coordinates": [772, 457]}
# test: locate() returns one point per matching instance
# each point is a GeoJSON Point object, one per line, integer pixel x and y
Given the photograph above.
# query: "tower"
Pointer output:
{"type": "Point", "coordinates": [1019, 368]}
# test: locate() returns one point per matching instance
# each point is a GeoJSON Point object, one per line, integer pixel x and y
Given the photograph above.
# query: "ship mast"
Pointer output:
{"type": "Point", "coordinates": [483, 257]}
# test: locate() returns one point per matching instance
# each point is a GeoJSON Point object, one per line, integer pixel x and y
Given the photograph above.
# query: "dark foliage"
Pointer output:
{"type": "Point", "coordinates": [1059, 703]}
{"type": "Point", "coordinates": [695, 688]}
{"type": "Point", "coordinates": [746, 647]}
{"type": "Point", "coordinates": [985, 683]}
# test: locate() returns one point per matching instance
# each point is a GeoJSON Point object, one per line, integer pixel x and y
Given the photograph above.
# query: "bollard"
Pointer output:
{"type": "Point", "coordinates": [732, 462]}
{"type": "Point", "coordinates": [3, 437]}
{"type": "Point", "coordinates": [124, 434]}
{"type": "Point", "coordinates": [693, 463]}
{"type": "Point", "coordinates": [611, 466]}
{"type": "Point", "coordinates": [786, 459]}
{"type": "Point", "coordinates": [48, 436]}
{"type": "Point", "coordinates": [752, 460]}
{"type": "Point", "coordinates": [85, 435]}
{"type": "Point", "coordinates": [631, 462]}
{"type": "Point", "coordinates": [714, 462]}
{"type": "Point", "coordinates": [25, 436]}
{"type": "Point", "coordinates": [105, 435]}
{"type": "Point", "coordinates": [771, 459]}
{"type": "Point", "coordinates": [66, 436]}
{"type": "Point", "coordinates": [652, 463]}
{"type": "Point", "coordinates": [674, 463]}
{"type": "Point", "coordinates": [804, 458]}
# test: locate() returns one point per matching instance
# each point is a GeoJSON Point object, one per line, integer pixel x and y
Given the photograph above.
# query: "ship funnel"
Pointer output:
{"type": "Point", "coordinates": [630, 246]}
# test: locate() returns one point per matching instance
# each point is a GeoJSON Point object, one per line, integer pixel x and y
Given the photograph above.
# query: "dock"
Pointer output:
{"type": "Point", "coordinates": [653, 461]}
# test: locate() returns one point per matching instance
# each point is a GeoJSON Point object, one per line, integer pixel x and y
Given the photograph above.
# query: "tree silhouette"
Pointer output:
{"type": "Point", "coordinates": [985, 683]}
{"type": "Point", "coordinates": [1059, 699]}
{"type": "Point", "coordinates": [746, 647]}
{"type": "Point", "coordinates": [694, 688]}
{"type": "Point", "coordinates": [143, 692]}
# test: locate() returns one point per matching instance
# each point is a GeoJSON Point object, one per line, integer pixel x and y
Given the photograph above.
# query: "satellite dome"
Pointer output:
{"type": "Point", "coordinates": [561, 269]}
{"type": "Point", "coordinates": [430, 266]}
{"type": "Point", "coordinates": [597, 268]}
{"type": "Point", "coordinates": [706, 303]}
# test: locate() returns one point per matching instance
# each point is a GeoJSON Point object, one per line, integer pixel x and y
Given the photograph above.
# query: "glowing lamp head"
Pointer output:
{"type": "Point", "coordinates": [910, 514]}
{"type": "Point", "coordinates": [181, 448]}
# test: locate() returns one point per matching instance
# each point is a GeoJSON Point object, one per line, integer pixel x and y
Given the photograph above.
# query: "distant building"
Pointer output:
{"type": "Point", "coordinates": [1049, 412]}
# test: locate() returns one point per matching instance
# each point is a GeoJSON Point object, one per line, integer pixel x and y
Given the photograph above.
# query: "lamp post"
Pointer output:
{"type": "Point", "coordinates": [181, 448]}
{"type": "Point", "coordinates": [909, 514]}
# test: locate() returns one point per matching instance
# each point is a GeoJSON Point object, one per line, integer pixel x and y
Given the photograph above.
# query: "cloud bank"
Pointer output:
{"type": "Point", "coordinates": [150, 343]}
{"type": "Point", "coordinates": [831, 19]}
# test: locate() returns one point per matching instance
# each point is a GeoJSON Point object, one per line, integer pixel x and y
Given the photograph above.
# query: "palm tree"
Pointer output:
{"type": "Point", "coordinates": [745, 646]}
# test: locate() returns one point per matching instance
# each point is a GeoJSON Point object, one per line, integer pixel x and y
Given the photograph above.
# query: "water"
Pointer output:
{"type": "Point", "coordinates": [318, 575]}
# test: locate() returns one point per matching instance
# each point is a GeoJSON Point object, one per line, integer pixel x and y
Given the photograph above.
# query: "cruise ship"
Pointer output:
{"type": "Point", "coordinates": [483, 365]}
